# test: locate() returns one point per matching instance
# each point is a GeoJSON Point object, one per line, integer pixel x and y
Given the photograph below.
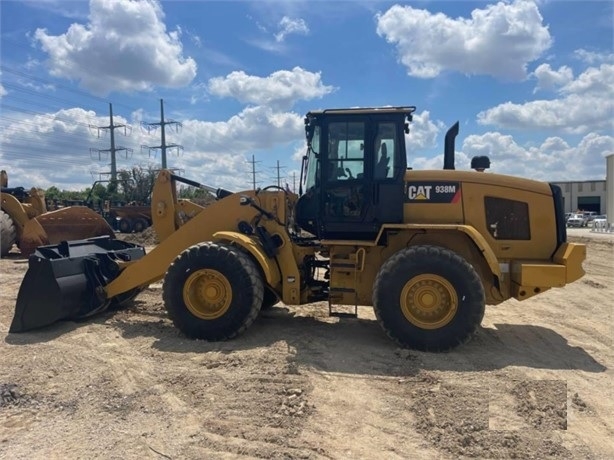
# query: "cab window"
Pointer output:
{"type": "Point", "coordinates": [346, 150]}
{"type": "Point", "coordinates": [384, 148]}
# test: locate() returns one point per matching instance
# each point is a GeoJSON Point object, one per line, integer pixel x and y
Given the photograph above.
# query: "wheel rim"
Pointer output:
{"type": "Point", "coordinates": [429, 301]}
{"type": "Point", "coordinates": [207, 294]}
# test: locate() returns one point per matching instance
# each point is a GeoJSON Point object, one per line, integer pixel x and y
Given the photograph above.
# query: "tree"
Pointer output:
{"type": "Point", "coordinates": [197, 195]}
{"type": "Point", "coordinates": [136, 183]}
{"type": "Point", "coordinates": [52, 193]}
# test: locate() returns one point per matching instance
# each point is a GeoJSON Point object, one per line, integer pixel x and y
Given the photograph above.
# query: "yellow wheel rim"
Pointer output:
{"type": "Point", "coordinates": [207, 294]}
{"type": "Point", "coordinates": [429, 301]}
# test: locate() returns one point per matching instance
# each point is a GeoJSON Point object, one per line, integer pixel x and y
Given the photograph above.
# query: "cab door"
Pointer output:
{"type": "Point", "coordinates": [388, 168]}
{"type": "Point", "coordinates": [363, 171]}
{"type": "Point", "coordinates": [347, 192]}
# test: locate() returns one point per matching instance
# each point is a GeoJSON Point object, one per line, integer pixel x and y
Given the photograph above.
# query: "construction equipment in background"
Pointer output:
{"type": "Point", "coordinates": [123, 217]}
{"type": "Point", "coordinates": [427, 249]}
{"type": "Point", "coordinates": [25, 220]}
{"type": "Point", "coordinates": [131, 217]}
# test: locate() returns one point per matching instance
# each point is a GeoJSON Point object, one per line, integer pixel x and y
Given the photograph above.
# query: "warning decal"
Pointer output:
{"type": "Point", "coordinates": [432, 192]}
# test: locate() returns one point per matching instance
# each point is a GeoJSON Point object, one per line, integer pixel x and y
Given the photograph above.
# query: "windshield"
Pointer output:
{"type": "Point", "coordinates": [312, 164]}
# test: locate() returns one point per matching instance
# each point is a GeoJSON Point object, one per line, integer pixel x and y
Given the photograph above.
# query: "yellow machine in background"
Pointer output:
{"type": "Point", "coordinates": [24, 220]}
{"type": "Point", "coordinates": [427, 249]}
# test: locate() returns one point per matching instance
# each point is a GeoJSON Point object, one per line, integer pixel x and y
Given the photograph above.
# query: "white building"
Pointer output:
{"type": "Point", "coordinates": [610, 187]}
{"type": "Point", "coordinates": [590, 195]}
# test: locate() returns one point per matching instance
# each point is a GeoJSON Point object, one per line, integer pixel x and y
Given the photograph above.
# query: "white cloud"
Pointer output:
{"type": "Point", "coordinates": [436, 162]}
{"type": "Point", "coordinates": [123, 47]}
{"type": "Point", "coordinates": [553, 160]}
{"type": "Point", "coordinates": [499, 40]}
{"type": "Point", "coordinates": [253, 128]}
{"type": "Point", "coordinates": [53, 149]}
{"type": "Point", "coordinates": [586, 105]}
{"type": "Point", "coordinates": [276, 43]}
{"type": "Point", "coordinates": [289, 26]}
{"type": "Point", "coordinates": [593, 82]}
{"type": "Point", "coordinates": [548, 79]}
{"type": "Point", "coordinates": [2, 91]}
{"type": "Point", "coordinates": [299, 151]}
{"type": "Point", "coordinates": [593, 57]}
{"type": "Point", "coordinates": [280, 90]}
{"type": "Point", "coordinates": [423, 132]}
{"type": "Point", "coordinates": [215, 153]}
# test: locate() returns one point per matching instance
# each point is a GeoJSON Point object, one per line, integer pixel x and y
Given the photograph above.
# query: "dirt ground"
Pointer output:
{"type": "Point", "coordinates": [536, 382]}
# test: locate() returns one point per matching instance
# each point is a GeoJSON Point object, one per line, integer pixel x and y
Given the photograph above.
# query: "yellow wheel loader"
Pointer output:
{"type": "Point", "coordinates": [427, 249]}
{"type": "Point", "coordinates": [24, 220]}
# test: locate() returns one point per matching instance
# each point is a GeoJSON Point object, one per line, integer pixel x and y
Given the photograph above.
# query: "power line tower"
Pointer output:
{"type": "Point", "coordinates": [163, 147]}
{"type": "Point", "coordinates": [254, 182]}
{"type": "Point", "coordinates": [279, 168]}
{"type": "Point", "coordinates": [113, 150]}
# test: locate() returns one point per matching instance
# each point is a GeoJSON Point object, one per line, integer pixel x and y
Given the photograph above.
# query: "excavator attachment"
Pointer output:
{"type": "Point", "coordinates": [72, 223]}
{"type": "Point", "coordinates": [65, 281]}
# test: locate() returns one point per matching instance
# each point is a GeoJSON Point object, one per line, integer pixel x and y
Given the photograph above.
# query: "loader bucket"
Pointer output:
{"type": "Point", "coordinates": [66, 281]}
{"type": "Point", "coordinates": [66, 224]}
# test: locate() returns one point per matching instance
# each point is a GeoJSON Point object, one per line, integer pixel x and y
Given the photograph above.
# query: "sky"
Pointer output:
{"type": "Point", "coordinates": [531, 83]}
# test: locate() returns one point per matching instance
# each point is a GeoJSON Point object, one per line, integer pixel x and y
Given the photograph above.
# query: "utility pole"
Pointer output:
{"type": "Point", "coordinates": [278, 168]}
{"type": "Point", "coordinates": [113, 150]}
{"type": "Point", "coordinates": [162, 124]}
{"type": "Point", "coordinates": [253, 162]}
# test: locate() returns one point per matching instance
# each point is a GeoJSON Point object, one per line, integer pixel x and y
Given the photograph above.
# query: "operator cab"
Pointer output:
{"type": "Point", "coordinates": [352, 174]}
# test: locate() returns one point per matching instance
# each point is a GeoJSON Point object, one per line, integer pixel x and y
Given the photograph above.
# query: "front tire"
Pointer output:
{"type": "Point", "coordinates": [428, 298]}
{"type": "Point", "coordinates": [212, 292]}
{"type": "Point", "coordinates": [8, 233]}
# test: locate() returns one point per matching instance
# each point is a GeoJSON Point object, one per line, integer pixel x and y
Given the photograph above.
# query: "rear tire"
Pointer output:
{"type": "Point", "coordinates": [139, 225]}
{"type": "Point", "coordinates": [213, 292]}
{"type": "Point", "coordinates": [428, 298]}
{"type": "Point", "coordinates": [125, 226]}
{"type": "Point", "coordinates": [8, 233]}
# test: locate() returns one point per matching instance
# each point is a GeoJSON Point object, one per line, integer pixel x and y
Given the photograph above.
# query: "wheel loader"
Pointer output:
{"type": "Point", "coordinates": [427, 249]}
{"type": "Point", "coordinates": [25, 220]}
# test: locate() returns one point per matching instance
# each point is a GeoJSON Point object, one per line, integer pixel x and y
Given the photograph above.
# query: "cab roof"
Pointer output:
{"type": "Point", "coordinates": [406, 110]}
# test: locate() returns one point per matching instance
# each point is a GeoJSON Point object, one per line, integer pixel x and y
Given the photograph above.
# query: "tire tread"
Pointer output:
{"type": "Point", "coordinates": [8, 233]}
{"type": "Point", "coordinates": [429, 253]}
{"type": "Point", "coordinates": [191, 257]}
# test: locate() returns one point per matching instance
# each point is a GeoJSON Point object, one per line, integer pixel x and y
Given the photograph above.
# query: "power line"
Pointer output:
{"type": "Point", "coordinates": [55, 84]}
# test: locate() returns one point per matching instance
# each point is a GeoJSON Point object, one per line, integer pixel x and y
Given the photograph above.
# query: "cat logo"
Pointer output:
{"type": "Point", "coordinates": [419, 192]}
{"type": "Point", "coordinates": [433, 192]}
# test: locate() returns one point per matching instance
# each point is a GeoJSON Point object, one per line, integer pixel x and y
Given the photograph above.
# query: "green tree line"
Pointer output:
{"type": "Point", "coordinates": [132, 186]}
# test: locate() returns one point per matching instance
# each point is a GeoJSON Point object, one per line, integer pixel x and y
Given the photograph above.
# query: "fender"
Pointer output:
{"type": "Point", "coordinates": [471, 232]}
{"type": "Point", "coordinates": [251, 245]}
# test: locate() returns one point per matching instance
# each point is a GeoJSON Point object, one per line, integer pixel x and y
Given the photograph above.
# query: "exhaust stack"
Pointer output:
{"type": "Point", "coordinates": [448, 152]}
